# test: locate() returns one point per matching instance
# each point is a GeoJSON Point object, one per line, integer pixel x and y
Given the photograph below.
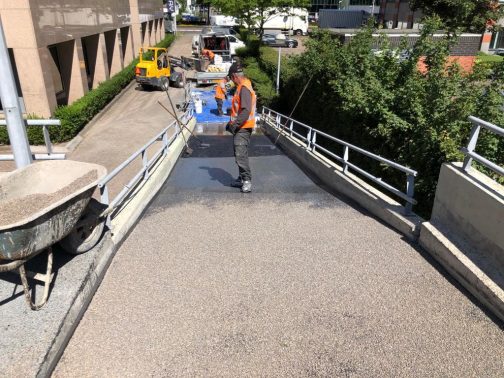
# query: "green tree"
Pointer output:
{"type": "Point", "coordinates": [470, 15]}
{"type": "Point", "coordinates": [255, 13]}
{"type": "Point", "coordinates": [385, 104]}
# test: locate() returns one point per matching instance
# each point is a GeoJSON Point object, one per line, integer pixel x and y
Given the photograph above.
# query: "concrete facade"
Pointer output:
{"type": "Point", "coordinates": [471, 206]}
{"type": "Point", "coordinates": [73, 45]}
{"type": "Point", "coordinates": [398, 15]}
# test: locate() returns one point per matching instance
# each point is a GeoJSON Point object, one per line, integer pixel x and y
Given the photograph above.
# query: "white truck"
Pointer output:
{"type": "Point", "coordinates": [221, 20]}
{"type": "Point", "coordinates": [291, 20]}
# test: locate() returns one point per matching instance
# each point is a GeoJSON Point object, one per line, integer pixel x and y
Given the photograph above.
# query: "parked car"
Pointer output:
{"type": "Point", "coordinates": [278, 40]}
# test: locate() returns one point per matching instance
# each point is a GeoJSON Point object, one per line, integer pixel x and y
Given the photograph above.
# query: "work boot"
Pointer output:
{"type": "Point", "coordinates": [246, 187]}
{"type": "Point", "coordinates": [238, 183]}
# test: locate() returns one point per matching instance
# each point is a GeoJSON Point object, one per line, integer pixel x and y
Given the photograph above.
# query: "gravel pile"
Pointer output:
{"type": "Point", "coordinates": [16, 209]}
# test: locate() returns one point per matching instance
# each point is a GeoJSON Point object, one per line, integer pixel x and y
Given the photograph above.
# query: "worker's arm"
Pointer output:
{"type": "Point", "coordinates": [246, 107]}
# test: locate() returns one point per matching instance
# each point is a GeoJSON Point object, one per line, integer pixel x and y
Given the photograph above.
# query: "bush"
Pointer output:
{"type": "Point", "coordinates": [387, 106]}
{"type": "Point", "coordinates": [263, 85]}
{"type": "Point", "coordinates": [75, 116]}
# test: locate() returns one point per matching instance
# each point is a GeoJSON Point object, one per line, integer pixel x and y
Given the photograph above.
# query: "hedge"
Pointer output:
{"type": "Point", "coordinates": [75, 116]}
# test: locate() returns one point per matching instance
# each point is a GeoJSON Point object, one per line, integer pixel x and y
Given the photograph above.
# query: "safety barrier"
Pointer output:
{"type": "Point", "coordinates": [44, 123]}
{"type": "Point", "coordinates": [468, 151]}
{"type": "Point", "coordinates": [288, 125]}
{"type": "Point", "coordinates": [147, 164]}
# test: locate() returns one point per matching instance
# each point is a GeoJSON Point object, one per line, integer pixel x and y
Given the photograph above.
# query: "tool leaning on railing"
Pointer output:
{"type": "Point", "coordinates": [286, 124]}
{"type": "Point", "coordinates": [147, 164]}
{"type": "Point", "coordinates": [468, 151]}
{"type": "Point", "coordinates": [44, 123]}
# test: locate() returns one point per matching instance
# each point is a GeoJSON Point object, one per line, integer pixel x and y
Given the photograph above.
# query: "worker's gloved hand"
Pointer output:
{"type": "Point", "coordinates": [231, 127]}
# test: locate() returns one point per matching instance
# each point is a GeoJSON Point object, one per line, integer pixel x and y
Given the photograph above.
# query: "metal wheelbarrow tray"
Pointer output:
{"type": "Point", "coordinates": [40, 205]}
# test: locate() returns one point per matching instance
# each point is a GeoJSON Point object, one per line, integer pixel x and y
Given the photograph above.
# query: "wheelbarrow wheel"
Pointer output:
{"type": "Point", "coordinates": [87, 232]}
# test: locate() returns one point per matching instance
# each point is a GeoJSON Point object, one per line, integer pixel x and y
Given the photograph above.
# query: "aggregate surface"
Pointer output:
{"type": "Point", "coordinates": [286, 281]}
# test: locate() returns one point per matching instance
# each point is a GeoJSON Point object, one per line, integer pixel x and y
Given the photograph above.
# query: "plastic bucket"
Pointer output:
{"type": "Point", "coordinates": [198, 105]}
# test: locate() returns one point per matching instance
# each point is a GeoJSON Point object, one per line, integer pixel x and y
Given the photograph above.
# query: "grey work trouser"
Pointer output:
{"type": "Point", "coordinates": [219, 106]}
{"type": "Point", "coordinates": [241, 142]}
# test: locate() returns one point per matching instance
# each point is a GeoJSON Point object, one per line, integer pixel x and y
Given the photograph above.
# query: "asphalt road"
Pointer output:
{"type": "Point", "coordinates": [286, 281]}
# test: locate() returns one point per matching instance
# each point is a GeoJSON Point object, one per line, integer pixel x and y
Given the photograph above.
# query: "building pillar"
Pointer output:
{"type": "Point", "coordinates": [157, 27]}
{"type": "Point", "coordinates": [73, 69]}
{"type": "Point", "coordinates": [36, 82]}
{"type": "Point", "coordinates": [150, 32]}
{"type": "Point", "coordinates": [113, 54]}
{"type": "Point", "coordinates": [136, 27]}
{"type": "Point", "coordinates": [485, 42]}
{"type": "Point", "coordinates": [162, 28]}
{"type": "Point", "coordinates": [127, 51]}
{"type": "Point", "coordinates": [101, 72]}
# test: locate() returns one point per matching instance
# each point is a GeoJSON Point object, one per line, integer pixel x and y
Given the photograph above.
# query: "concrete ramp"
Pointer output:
{"type": "Point", "coordinates": [286, 281]}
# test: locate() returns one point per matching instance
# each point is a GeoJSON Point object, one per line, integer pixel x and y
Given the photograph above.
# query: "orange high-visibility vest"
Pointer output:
{"type": "Point", "coordinates": [209, 53]}
{"type": "Point", "coordinates": [236, 104]}
{"type": "Point", "coordinates": [220, 90]}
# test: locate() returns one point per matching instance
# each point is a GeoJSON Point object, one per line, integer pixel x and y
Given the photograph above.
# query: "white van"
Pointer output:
{"type": "Point", "coordinates": [220, 20]}
{"type": "Point", "coordinates": [234, 43]}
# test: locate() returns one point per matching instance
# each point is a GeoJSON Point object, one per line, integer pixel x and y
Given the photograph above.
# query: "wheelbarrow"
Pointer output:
{"type": "Point", "coordinates": [46, 203]}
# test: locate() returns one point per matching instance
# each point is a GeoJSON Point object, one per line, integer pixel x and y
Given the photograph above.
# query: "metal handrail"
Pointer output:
{"type": "Point", "coordinates": [468, 151]}
{"type": "Point", "coordinates": [311, 145]}
{"type": "Point", "coordinates": [143, 174]}
{"type": "Point", "coordinates": [44, 123]}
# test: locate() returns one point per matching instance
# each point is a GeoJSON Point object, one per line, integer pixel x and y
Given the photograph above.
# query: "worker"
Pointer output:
{"type": "Point", "coordinates": [220, 95]}
{"type": "Point", "coordinates": [209, 54]}
{"type": "Point", "coordinates": [241, 125]}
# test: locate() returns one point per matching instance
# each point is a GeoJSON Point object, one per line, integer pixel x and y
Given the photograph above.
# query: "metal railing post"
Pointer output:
{"type": "Point", "coordinates": [12, 109]}
{"type": "Point", "coordinates": [314, 140]}
{"type": "Point", "coordinates": [473, 139]}
{"type": "Point", "coordinates": [345, 159]}
{"type": "Point", "coordinates": [47, 139]}
{"type": "Point", "coordinates": [145, 163]}
{"type": "Point", "coordinates": [277, 121]}
{"type": "Point", "coordinates": [308, 139]}
{"type": "Point", "coordinates": [291, 126]}
{"type": "Point", "coordinates": [104, 194]}
{"type": "Point", "coordinates": [165, 143]}
{"type": "Point", "coordinates": [410, 191]}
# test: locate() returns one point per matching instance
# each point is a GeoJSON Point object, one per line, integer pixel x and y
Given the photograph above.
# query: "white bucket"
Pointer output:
{"type": "Point", "coordinates": [198, 105]}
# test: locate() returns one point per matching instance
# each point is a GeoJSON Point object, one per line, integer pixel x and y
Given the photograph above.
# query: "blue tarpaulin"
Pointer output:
{"type": "Point", "coordinates": [210, 113]}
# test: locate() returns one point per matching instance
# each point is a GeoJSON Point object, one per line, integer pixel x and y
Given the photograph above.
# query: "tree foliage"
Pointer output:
{"type": "Point", "coordinates": [389, 107]}
{"type": "Point", "coordinates": [470, 15]}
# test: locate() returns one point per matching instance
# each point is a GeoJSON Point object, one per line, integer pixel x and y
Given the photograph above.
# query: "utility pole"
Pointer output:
{"type": "Point", "coordinates": [12, 110]}
{"type": "Point", "coordinates": [278, 70]}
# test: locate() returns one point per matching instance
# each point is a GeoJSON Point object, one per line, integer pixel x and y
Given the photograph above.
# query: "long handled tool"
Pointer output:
{"type": "Point", "coordinates": [297, 103]}
{"type": "Point", "coordinates": [188, 150]}
{"type": "Point", "coordinates": [202, 144]}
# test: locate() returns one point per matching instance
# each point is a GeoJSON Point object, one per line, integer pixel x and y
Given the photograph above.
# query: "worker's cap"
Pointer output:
{"type": "Point", "coordinates": [235, 68]}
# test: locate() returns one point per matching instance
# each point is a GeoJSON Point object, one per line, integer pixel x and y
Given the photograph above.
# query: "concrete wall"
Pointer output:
{"type": "Point", "coordinates": [466, 233]}
{"type": "Point", "coordinates": [472, 207]}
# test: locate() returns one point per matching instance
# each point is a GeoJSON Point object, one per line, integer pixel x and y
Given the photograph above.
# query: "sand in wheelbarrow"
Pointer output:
{"type": "Point", "coordinates": [16, 209]}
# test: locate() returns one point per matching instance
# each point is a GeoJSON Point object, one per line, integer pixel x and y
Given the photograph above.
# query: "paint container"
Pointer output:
{"type": "Point", "coordinates": [198, 105]}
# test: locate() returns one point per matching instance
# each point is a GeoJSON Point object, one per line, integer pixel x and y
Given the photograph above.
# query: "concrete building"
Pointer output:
{"type": "Point", "coordinates": [365, 5]}
{"type": "Point", "coordinates": [397, 14]}
{"type": "Point", "coordinates": [61, 49]}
